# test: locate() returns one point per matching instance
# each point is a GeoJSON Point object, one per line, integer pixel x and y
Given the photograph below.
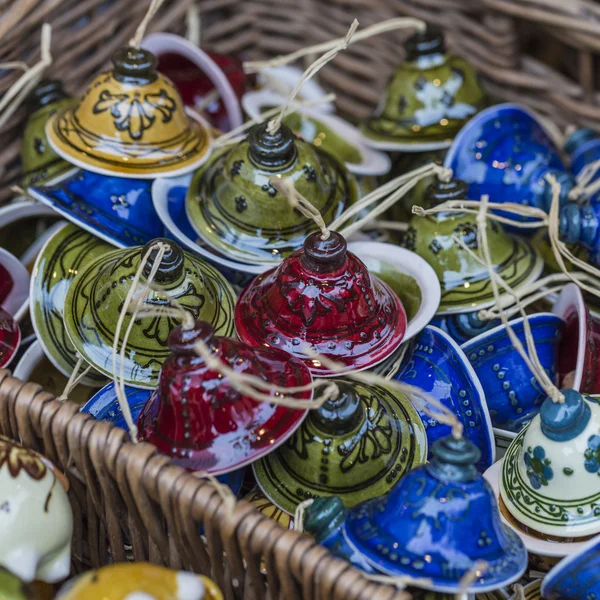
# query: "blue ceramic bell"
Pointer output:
{"type": "Point", "coordinates": [580, 224]}
{"type": "Point", "coordinates": [505, 153]}
{"type": "Point", "coordinates": [462, 327]}
{"type": "Point", "coordinates": [435, 363]}
{"type": "Point", "coordinates": [583, 148]}
{"type": "Point", "coordinates": [577, 576]}
{"type": "Point", "coordinates": [437, 522]}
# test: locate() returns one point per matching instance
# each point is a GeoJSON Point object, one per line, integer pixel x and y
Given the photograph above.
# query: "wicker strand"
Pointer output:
{"type": "Point", "coordinates": [138, 36]}
{"type": "Point", "coordinates": [274, 125]}
{"type": "Point", "coordinates": [74, 379]}
{"type": "Point", "coordinates": [378, 28]}
{"type": "Point", "coordinates": [13, 98]}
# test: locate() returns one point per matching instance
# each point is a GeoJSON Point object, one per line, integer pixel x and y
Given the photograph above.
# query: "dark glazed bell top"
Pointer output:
{"type": "Point", "coordinates": [183, 341]}
{"type": "Point", "coordinates": [324, 516]}
{"type": "Point", "coordinates": [46, 92]}
{"type": "Point", "coordinates": [339, 415]}
{"type": "Point", "coordinates": [134, 65]}
{"type": "Point", "coordinates": [430, 41]}
{"type": "Point", "coordinates": [442, 191]}
{"type": "Point", "coordinates": [324, 256]}
{"type": "Point", "coordinates": [171, 265]}
{"type": "Point", "coordinates": [454, 459]}
{"type": "Point", "coordinates": [565, 421]}
{"type": "Point", "coordinates": [271, 151]}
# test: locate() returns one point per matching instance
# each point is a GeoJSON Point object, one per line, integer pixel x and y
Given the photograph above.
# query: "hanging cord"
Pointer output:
{"type": "Point", "coordinates": [138, 36]}
{"type": "Point", "coordinates": [74, 379]}
{"type": "Point", "coordinates": [119, 379]}
{"type": "Point", "coordinates": [193, 23]}
{"type": "Point", "coordinates": [299, 514]}
{"type": "Point", "coordinates": [19, 90]}
{"type": "Point", "coordinates": [519, 592]}
{"type": "Point", "coordinates": [531, 358]}
{"type": "Point", "coordinates": [274, 125]}
{"type": "Point", "coordinates": [471, 576]}
{"type": "Point", "coordinates": [585, 186]}
{"type": "Point", "coordinates": [300, 203]}
{"type": "Point", "coordinates": [237, 135]}
{"type": "Point", "coordinates": [384, 26]}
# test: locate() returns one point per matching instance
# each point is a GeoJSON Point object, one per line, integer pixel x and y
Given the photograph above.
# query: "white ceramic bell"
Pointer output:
{"type": "Point", "coordinates": [36, 522]}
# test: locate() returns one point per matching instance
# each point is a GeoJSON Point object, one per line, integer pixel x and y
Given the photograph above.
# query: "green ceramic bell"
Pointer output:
{"type": "Point", "coordinates": [39, 161]}
{"type": "Point", "coordinates": [12, 588]}
{"type": "Point", "coordinates": [96, 296]}
{"type": "Point", "coordinates": [356, 446]}
{"type": "Point", "coordinates": [465, 282]}
{"type": "Point", "coordinates": [235, 209]}
{"type": "Point", "coordinates": [428, 98]}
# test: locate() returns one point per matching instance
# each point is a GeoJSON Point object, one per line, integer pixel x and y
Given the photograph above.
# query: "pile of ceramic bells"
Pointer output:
{"type": "Point", "coordinates": [129, 166]}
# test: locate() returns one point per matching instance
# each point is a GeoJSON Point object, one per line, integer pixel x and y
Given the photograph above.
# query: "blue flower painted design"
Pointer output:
{"type": "Point", "coordinates": [592, 454]}
{"type": "Point", "coordinates": [539, 470]}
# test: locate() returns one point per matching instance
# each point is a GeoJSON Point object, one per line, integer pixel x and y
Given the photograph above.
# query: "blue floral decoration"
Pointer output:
{"type": "Point", "coordinates": [539, 470]}
{"type": "Point", "coordinates": [592, 454]}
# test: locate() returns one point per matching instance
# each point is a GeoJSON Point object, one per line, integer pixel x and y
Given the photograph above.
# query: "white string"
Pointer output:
{"type": "Point", "coordinates": [194, 24]}
{"type": "Point", "coordinates": [74, 379]}
{"type": "Point", "coordinates": [585, 187]}
{"type": "Point", "coordinates": [384, 26]}
{"type": "Point", "coordinates": [471, 576]}
{"type": "Point", "coordinates": [519, 592]}
{"type": "Point", "coordinates": [138, 36]}
{"type": "Point", "coordinates": [310, 72]}
{"type": "Point", "coordinates": [19, 90]}
{"type": "Point", "coordinates": [299, 514]}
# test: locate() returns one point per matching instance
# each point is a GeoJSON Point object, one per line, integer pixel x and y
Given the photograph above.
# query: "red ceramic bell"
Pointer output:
{"type": "Point", "coordinates": [201, 421]}
{"type": "Point", "coordinates": [323, 297]}
{"type": "Point", "coordinates": [10, 338]}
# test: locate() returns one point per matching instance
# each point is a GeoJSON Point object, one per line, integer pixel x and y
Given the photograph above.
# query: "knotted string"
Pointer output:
{"type": "Point", "coordinates": [286, 186]}
{"type": "Point", "coordinates": [138, 36]}
{"type": "Point", "coordinates": [311, 71]}
{"type": "Point", "coordinates": [19, 90]}
{"type": "Point", "coordinates": [74, 379]}
{"type": "Point", "coordinates": [384, 26]}
{"type": "Point", "coordinates": [519, 592]}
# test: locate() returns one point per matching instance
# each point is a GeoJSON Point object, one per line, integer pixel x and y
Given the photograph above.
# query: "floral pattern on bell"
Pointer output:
{"type": "Point", "coordinates": [322, 297]}
{"type": "Point", "coordinates": [355, 447]}
{"type": "Point", "coordinates": [539, 470]}
{"type": "Point", "coordinates": [428, 98]}
{"type": "Point", "coordinates": [267, 228]}
{"type": "Point", "coordinates": [592, 454]}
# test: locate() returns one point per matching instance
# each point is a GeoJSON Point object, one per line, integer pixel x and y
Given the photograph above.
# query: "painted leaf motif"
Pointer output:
{"type": "Point", "coordinates": [16, 458]}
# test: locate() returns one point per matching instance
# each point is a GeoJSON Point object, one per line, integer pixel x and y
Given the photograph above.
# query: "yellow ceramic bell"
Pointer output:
{"type": "Point", "coordinates": [130, 122]}
{"type": "Point", "coordinates": [126, 581]}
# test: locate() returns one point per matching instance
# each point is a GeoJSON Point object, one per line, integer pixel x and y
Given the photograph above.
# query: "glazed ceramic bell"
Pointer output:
{"type": "Point", "coordinates": [428, 98]}
{"type": "Point", "coordinates": [139, 581]}
{"type": "Point", "coordinates": [235, 209]}
{"type": "Point", "coordinates": [38, 159]}
{"type": "Point", "coordinates": [576, 576]}
{"type": "Point", "coordinates": [505, 153]}
{"type": "Point", "coordinates": [549, 481]}
{"type": "Point", "coordinates": [95, 298]}
{"type": "Point", "coordinates": [437, 523]}
{"type": "Point", "coordinates": [462, 327]}
{"type": "Point", "coordinates": [35, 516]}
{"type": "Point", "coordinates": [322, 297]}
{"type": "Point", "coordinates": [355, 446]}
{"type": "Point", "coordinates": [130, 122]}
{"type": "Point", "coordinates": [10, 338]}
{"type": "Point", "coordinates": [199, 419]}
{"type": "Point", "coordinates": [464, 280]}
{"type": "Point", "coordinates": [435, 363]}
{"type": "Point", "coordinates": [582, 148]}
{"type": "Point", "coordinates": [580, 224]}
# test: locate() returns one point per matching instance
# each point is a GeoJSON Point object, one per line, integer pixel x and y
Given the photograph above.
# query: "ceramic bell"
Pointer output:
{"type": "Point", "coordinates": [580, 224]}
{"type": "Point", "coordinates": [462, 327]}
{"type": "Point", "coordinates": [95, 298]}
{"type": "Point", "coordinates": [322, 297]}
{"type": "Point", "coordinates": [235, 209]}
{"type": "Point", "coordinates": [139, 580]}
{"type": "Point", "coordinates": [583, 148]}
{"type": "Point", "coordinates": [14, 284]}
{"type": "Point", "coordinates": [428, 98]}
{"type": "Point", "coordinates": [199, 419]}
{"type": "Point", "coordinates": [435, 363]}
{"type": "Point", "coordinates": [576, 576]}
{"type": "Point", "coordinates": [264, 506]}
{"type": "Point", "coordinates": [505, 153]}
{"type": "Point", "coordinates": [10, 338]}
{"type": "Point", "coordinates": [549, 481]}
{"type": "Point", "coordinates": [513, 394]}
{"type": "Point", "coordinates": [35, 516]}
{"type": "Point", "coordinates": [130, 122]}
{"type": "Point", "coordinates": [67, 252]}
{"type": "Point", "coordinates": [355, 446]}
{"type": "Point", "coordinates": [38, 160]}
{"type": "Point", "coordinates": [465, 281]}
{"type": "Point", "coordinates": [436, 523]}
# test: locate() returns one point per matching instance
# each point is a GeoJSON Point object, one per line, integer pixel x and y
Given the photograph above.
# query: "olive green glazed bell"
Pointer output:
{"type": "Point", "coordinates": [234, 207]}
{"type": "Point", "coordinates": [96, 298]}
{"type": "Point", "coordinates": [428, 97]}
{"type": "Point", "coordinates": [12, 588]}
{"type": "Point", "coordinates": [355, 446]}
{"type": "Point", "coordinates": [39, 161]}
{"type": "Point", "coordinates": [465, 281]}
